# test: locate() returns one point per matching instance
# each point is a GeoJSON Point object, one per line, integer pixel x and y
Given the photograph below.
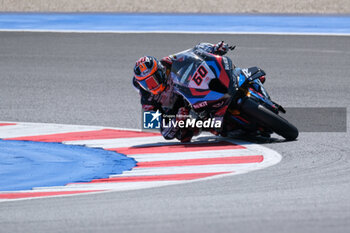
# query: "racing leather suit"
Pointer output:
{"type": "Point", "coordinates": [170, 103]}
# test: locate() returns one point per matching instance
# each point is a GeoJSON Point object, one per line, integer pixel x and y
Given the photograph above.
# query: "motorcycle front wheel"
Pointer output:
{"type": "Point", "coordinates": [269, 119]}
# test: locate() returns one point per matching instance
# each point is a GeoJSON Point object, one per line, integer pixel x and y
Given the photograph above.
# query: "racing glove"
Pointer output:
{"type": "Point", "coordinates": [166, 62]}
{"type": "Point", "coordinates": [222, 48]}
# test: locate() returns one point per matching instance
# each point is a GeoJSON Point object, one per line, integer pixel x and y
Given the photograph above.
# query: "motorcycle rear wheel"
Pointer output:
{"type": "Point", "coordinates": [270, 120]}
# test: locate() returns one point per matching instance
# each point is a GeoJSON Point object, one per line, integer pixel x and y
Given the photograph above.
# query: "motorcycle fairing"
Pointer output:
{"type": "Point", "coordinates": [251, 74]}
{"type": "Point", "coordinates": [257, 89]}
{"type": "Point", "coordinates": [192, 72]}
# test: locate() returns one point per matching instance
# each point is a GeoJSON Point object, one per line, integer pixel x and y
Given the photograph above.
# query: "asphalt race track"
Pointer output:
{"type": "Point", "coordinates": [86, 79]}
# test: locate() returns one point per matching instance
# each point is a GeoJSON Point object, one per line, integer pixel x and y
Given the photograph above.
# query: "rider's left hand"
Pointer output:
{"type": "Point", "coordinates": [222, 48]}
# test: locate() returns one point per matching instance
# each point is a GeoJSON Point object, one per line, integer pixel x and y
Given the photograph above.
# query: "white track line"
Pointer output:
{"type": "Point", "coordinates": [122, 186]}
{"type": "Point", "coordinates": [187, 170]}
{"type": "Point", "coordinates": [192, 155]}
{"type": "Point", "coordinates": [119, 142]}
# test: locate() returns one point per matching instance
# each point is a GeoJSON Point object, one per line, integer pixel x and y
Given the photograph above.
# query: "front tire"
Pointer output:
{"type": "Point", "coordinates": [270, 120]}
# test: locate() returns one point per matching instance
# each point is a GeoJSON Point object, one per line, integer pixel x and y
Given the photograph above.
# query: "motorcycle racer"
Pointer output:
{"type": "Point", "coordinates": [156, 89]}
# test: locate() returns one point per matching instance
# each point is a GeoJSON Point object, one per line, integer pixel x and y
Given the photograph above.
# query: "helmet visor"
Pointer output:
{"type": "Point", "coordinates": [153, 83]}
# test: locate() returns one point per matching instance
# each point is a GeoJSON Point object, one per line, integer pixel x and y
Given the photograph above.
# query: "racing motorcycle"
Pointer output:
{"type": "Point", "coordinates": [213, 88]}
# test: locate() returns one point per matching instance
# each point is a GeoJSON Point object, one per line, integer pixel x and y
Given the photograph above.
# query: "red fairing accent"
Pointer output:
{"type": "Point", "coordinates": [223, 75]}
{"type": "Point", "coordinates": [197, 93]}
{"type": "Point", "coordinates": [256, 92]}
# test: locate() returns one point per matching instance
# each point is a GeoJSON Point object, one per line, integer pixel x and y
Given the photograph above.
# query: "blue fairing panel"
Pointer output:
{"type": "Point", "coordinates": [237, 72]}
{"type": "Point", "coordinates": [261, 98]}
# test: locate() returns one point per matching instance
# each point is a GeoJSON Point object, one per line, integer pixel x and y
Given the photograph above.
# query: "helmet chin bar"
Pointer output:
{"type": "Point", "coordinates": [158, 90]}
{"type": "Point", "coordinates": [150, 75]}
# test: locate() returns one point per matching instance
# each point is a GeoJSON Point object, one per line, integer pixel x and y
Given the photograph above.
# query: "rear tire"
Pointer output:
{"type": "Point", "coordinates": [270, 120]}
